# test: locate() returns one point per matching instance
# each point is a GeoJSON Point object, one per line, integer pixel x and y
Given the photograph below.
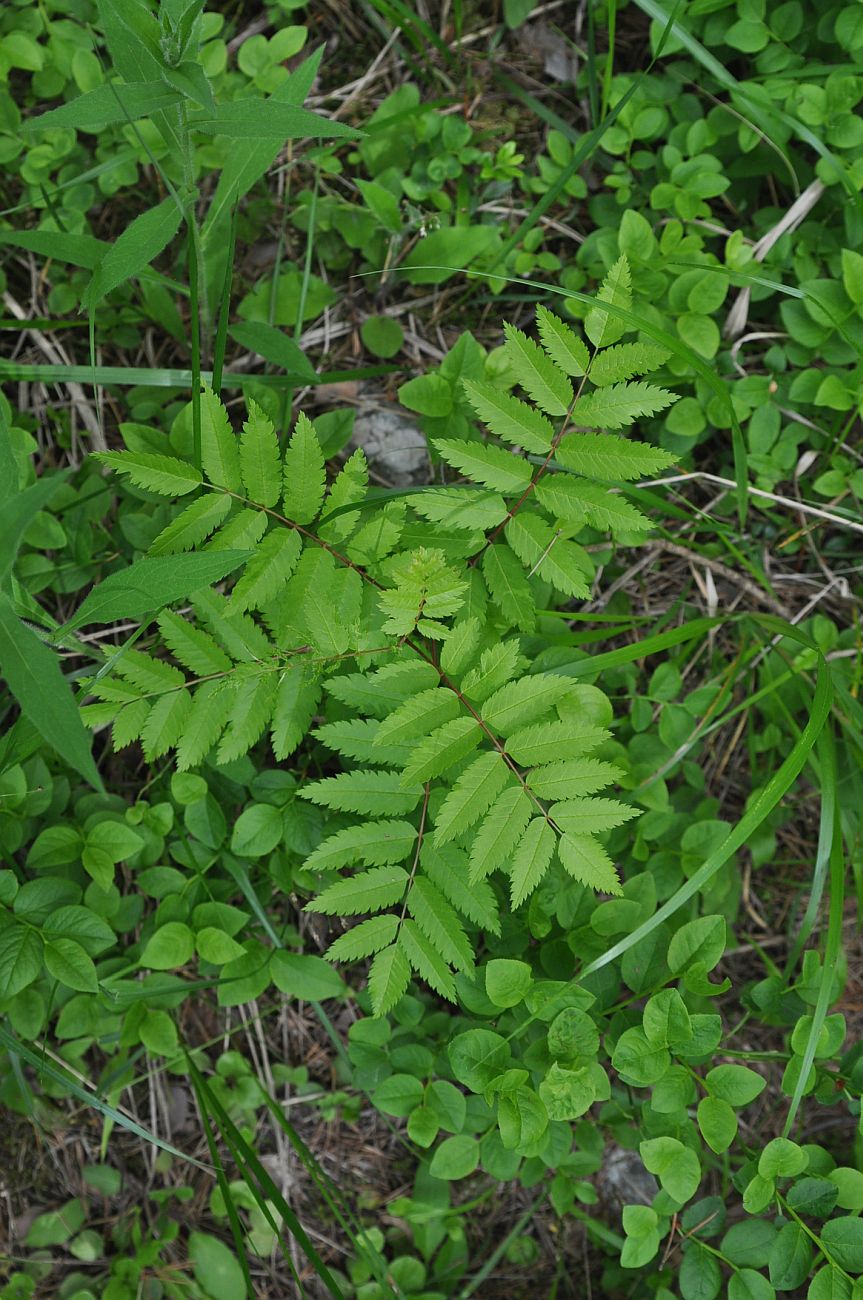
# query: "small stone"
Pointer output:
{"type": "Point", "coordinates": [394, 445]}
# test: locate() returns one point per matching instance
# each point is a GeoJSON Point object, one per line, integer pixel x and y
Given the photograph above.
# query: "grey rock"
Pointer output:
{"type": "Point", "coordinates": [394, 445]}
{"type": "Point", "coordinates": [624, 1178]}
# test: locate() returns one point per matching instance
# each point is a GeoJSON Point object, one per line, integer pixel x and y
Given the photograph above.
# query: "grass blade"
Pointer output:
{"type": "Point", "coordinates": [42, 1065]}
{"type": "Point", "coordinates": [252, 1169]}
{"type": "Point", "coordinates": [833, 946]}
{"type": "Point", "coordinates": [764, 802]}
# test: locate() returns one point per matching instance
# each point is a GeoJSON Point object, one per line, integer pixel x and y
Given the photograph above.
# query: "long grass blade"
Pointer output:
{"type": "Point", "coordinates": [833, 946]}
{"type": "Point", "coordinates": [761, 806]}
{"type": "Point", "coordinates": [254, 1171]}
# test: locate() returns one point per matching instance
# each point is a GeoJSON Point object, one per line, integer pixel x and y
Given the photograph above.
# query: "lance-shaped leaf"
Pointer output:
{"type": "Point", "coordinates": [510, 418]}
{"type": "Point", "coordinates": [597, 455]}
{"type": "Point", "coordinates": [165, 475]}
{"type": "Point", "coordinates": [388, 979]}
{"type": "Point", "coordinates": [367, 891]}
{"type": "Point", "coordinates": [107, 104]}
{"type": "Point", "coordinates": [472, 795]}
{"type": "Point", "coordinates": [265, 119]}
{"type": "Point", "coordinates": [152, 583]}
{"type": "Point", "coordinates": [562, 344]}
{"type": "Point", "coordinates": [32, 673]}
{"type": "Point", "coordinates": [531, 859]}
{"type": "Point", "coordinates": [538, 376]}
{"type": "Point", "coordinates": [618, 405]}
{"type": "Point", "coordinates": [141, 241]}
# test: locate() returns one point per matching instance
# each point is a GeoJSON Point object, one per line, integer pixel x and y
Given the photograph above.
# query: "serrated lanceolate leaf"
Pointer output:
{"type": "Point", "coordinates": [620, 404]}
{"type": "Point", "coordinates": [368, 891]}
{"type": "Point", "coordinates": [268, 570]}
{"type": "Point", "coordinates": [602, 327]}
{"type": "Point", "coordinates": [250, 714]}
{"type": "Point", "coordinates": [304, 473]}
{"type": "Point", "coordinates": [166, 475]}
{"type": "Point", "coordinates": [566, 498]}
{"type": "Point", "coordinates": [461, 646]}
{"type": "Point", "coordinates": [129, 723]}
{"type": "Point", "coordinates": [584, 858]}
{"type": "Point", "coordinates": [211, 708]}
{"type": "Point", "coordinates": [625, 360]}
{"type": "Point", "coordinates": [388, 979]}
{"type": "Point", "coordinates": [471, 796]}
{"type": "Point", "coordinates": [460, 507]}
{"type": "Point", "coordinates": [497, 666]}
{"type": "Point", "coordinates": [562, 563]}
{"type": "Point", "coordinates": [441, 750]}
{"type": "Point", "coordinates": [364, 939]}
{"type": "Point", "coordinates": [152, 676]}
{"type": "Point", "coordinates": [297, 699]}
{"type": "Point", "coordinates": [426, 960]}
{"type": "Point", "coordinates": [493, 843]}
{"type": "Point", "coordinates": [192, 525]}
{"type": "Point", "coordinates": [555, 740]}
{"type": "Point", "coordinates": [236, 632]}
{"type": "Point", "coordinates": [529, 697]}
{"type": "Point", "coordinates": [447, 867]}
{"type": "Point", "coordinates": [562, 344]}
{"type": "Point", "coordinates": [220, 454]}
{"type": "Point", "coordinates": [259, 458]}
{"type": "Point", "coordinates": [244, 529]}
{"type": "Point", "coordinates": [496, 468]}
{"type": "Point", "coordinates": [390, 688]}
{"type": "Point", "coordinates": [597, 455]}
{"type": "Point", "coordinates": [372, 843]}
{"type": "Point", "coordinates": [348, 487]}
{"type": "Point", "coordinates": [586, 816]}
{"type": "Point", "coordinates": [165, 723]}
{"type": "Point", "coordinates": [439, 923]}
{"type": "Point", "coordinates": [192, 646]}
{"type": "Point", "coordinates": [511, 419]}
{"type": "Point", "coordinates": [354, 738]}
{"type": "Point", "coordinates": [531, 859]}
{"type": "Point", "coordinates": [379, 794]}
{"type": "Point", "coordinates": [572, 777]}
{"type": "Point", "coordinates": [539, 377]}
{"type": "Point", "coordinates": [508, 586]}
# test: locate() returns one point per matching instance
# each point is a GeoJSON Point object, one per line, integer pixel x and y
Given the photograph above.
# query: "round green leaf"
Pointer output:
{"type": "Point", "coordinates": [170, 947]}
{"type": "Point", "coordinates": [843, 1238]}
{"type": "Point", "coordinates": [307, 977]}
{"type": "Point", "coordinates": [736, 1084]}
{"type": "Point", "coordinates": [455, 1158]}
{"type": "Point", "coordinates": [507, 981]}
{"type": "Point", "coordinates": [717, 1122]}
{"type": "Point", "coordinates": [382, 335]}
{"type": "Point", "coordinates": [67, 961]}
{"type": "Point", "coordinates": [257, 831]}
{"type": "Point", "coordinates": [216, 1268]}
{"type": "Point", "coordinates": [572, 1033]}
{"type": "Point", "coordinates": [159, 1033]}
{"type": "Point", "coordinates": [215, 946]}
{"type": "Point", "coordinates": [782, 1158]}
{"type": "Point", "coordinates": [398, 1095]}
{"type": "Point", "coordinates": [749, 1285]}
